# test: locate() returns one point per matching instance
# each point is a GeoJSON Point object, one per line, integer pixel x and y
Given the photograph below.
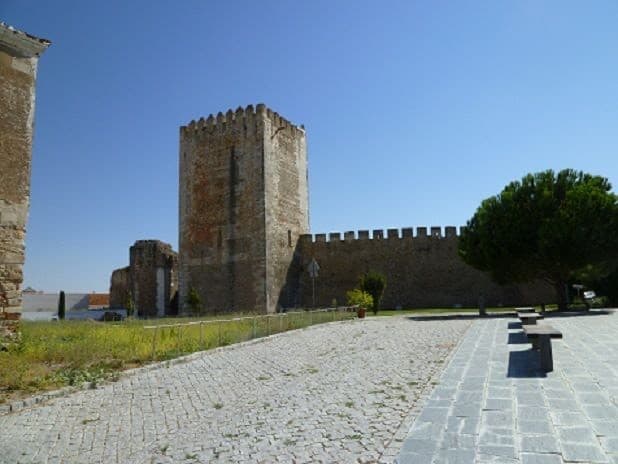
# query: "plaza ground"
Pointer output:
{"type": "Point", "coordinates": [405, 388]}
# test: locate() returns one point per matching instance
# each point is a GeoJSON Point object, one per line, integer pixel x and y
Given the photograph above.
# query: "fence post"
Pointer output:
{"type": "Point", "coordinates": [267, 325]}
{"type": "Point", "coordinates": [178, 339]}
{"type": "Point", "coordinates": [202, 334]}
{"type": "Point", "coordinates": [254, 328]}
{"type": "Point", "coordinates": [154, 339]}
{"type": "Point", "coordinates": [219, 326]}
{"type": "Point", "coordinates": [310, 317]}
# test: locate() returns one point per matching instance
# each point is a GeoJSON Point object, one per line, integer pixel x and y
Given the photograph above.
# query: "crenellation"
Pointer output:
{"type": "Point", "coordinates": [334, 236]}
{"type": "Point", "coordinates": [248, 255]}
{"type": "Point", "coordinates": [320, 238]}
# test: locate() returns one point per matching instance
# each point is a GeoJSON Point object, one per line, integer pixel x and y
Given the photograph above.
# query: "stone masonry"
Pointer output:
{"type": "Point", "coordinates": [422, 270]}
{"type": "Point", "coordinates": [243, 205]}
{"type": "Point", "coordinates": [244, 222]}
{"type": "Point", "coordinates": [19, 55]}
{"type": "Point", "coordinates": [150, 281]}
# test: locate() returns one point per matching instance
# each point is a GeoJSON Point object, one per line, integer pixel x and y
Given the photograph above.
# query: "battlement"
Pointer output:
{"type": "Point", "coordinates": [434, 232]}
{"type": "Point", "coordinates": [240, 120]}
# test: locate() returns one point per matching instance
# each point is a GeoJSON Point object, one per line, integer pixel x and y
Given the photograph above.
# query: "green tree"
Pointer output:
{"type": "Point", "coordinates": [373, 283]}
{"type": "Point", "coordinates": [194, 302]}
{"type": "Point", "coordinates": [547, 226]}
{"type": "Point", "coordinates": [61, 305]}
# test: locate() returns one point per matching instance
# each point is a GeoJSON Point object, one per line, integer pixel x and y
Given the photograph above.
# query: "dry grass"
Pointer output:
{"type": "Point", "coordinates": [56, 354]}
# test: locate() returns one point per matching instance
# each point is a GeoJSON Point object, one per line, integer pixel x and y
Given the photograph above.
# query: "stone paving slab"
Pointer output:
{"type": "Point", "coordinates": [493, 403]}
{"type": "Point", "coordinates": [343, 392]}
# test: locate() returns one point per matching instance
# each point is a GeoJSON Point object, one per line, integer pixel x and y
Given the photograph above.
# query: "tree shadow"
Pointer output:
{"type": "Point", "coordinates": [514, 325]}
{"type": "Point", "coordinates": [525, 364]}
{"type": "Point", "coordinates": [450, 317]}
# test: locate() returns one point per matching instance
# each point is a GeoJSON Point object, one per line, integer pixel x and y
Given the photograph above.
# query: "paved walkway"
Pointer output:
{"type": "Point", "coordinates": [344, 392]}
{"type": "Point", "coordinates": [492, 405]}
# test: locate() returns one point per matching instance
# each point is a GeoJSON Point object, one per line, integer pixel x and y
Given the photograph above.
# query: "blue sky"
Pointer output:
{"type": "Point", "coordinates": [415, 111]}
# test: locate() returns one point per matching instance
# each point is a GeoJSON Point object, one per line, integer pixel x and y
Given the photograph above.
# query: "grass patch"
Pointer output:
{"type": "Point", "coordinates": [52, 355]}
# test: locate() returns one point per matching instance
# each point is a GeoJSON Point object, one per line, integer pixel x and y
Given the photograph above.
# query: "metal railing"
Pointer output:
{"type": "Point", "coordinates": [187, 337]}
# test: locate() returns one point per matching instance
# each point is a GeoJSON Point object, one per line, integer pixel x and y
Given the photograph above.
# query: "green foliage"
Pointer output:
{"type": "Point", "coordinates": [129, 306]}
{"type": "Point", "coordinates": [547, 226]}
{"type": "Point", "coordinates": [357, 297]}
{"type": "Point", "coordinates": [61, 305]}
{"type": "Point", "coordinates": [373, 283]}
{"type": "Point", "coordinates": [194, 301]}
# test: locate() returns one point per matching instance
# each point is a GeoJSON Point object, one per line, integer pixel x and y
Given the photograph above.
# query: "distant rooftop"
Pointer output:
{"type": "Point", "coordinates": [21, 43]}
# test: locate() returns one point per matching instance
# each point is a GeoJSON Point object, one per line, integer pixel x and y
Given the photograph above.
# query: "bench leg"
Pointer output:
{"type": "Point", "coordinates": [547, 362]}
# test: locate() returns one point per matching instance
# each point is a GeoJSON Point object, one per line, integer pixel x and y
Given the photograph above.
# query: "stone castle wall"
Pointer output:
{"type": "Point", "coordinates": [243, 204]}
{"type": "Point", "coordinates": [422, 270]}
{"type": "Point", "coordinates": [150, 281]}
{"type": "Point", "coordinates": [18, 68]}
{"type": "Point", "coordinates": [120, 288]}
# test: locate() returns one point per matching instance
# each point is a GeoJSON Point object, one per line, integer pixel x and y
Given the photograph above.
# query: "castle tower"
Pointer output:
{"type": "Point", "coordinates": [243, 205]}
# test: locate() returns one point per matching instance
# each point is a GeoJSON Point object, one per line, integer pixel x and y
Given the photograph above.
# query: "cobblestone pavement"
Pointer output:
{"type": "Point", "coordinates": [492, 404]}
{"type": "Point", "coordinates": [343, 392]}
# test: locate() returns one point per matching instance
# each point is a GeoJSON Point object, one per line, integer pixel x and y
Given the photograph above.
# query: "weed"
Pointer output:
{"type": "Point", "coordinates": [74, 353]}
{"type": "Point", "coordinates": [289, 442]}
{"type": "Point", "coordinates": [349, 404]}
{"type": "Point", "coordinates": [191, 456]}
{"type": "Point", "coordinates": [164, 448]}
{"type": "Point", "coordinates": [217, 405]}
{"type": "Point", "coordinates": [263, 377]}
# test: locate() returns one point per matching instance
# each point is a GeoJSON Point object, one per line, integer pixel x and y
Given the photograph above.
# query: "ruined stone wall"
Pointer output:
{"type": "Point", "coordinates": [238, 172]}
{"type": "Point", "coordinates": [421, 271]}
{"type": "Point", "coordinates": [120, 288]}
{"type": "Point", "coordinates": [153, 277]}
{"type": "Point", "coordinates": [18, 67]}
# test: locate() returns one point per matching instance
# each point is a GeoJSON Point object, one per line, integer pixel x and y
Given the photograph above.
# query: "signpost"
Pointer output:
{"type": "Point", "coordinates": [313, 268]}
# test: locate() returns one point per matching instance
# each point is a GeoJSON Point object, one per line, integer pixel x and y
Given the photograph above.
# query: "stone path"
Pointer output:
{"type": "Point", "coordinates": [343, 392]}
{"type": "Point", "coordinates": [492, 405]}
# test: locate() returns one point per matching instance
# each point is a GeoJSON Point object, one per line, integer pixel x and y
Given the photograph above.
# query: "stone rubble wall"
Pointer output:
{"type": "Point", "coordinates": [422, 270]}
{"type": "Point", "coordinates": [243, 204]}
{"type": "Point", "coordinates": [17, 92]}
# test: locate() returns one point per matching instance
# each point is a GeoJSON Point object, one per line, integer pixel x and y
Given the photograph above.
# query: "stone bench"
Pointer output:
{"type": "Point", "coordinates": [529, 318]}
{"type": "Point", "coordinates": [540, 336]}
{"type": "Point", "coordinates": [525, 309]}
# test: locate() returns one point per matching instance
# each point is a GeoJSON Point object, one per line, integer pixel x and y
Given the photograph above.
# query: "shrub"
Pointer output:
{"type": "Point", "coordinates": [194, 302]}
{"type": "Point", "coordinates": [359, 298]}
{"type": "Point", "coordinates": [373, 283]}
